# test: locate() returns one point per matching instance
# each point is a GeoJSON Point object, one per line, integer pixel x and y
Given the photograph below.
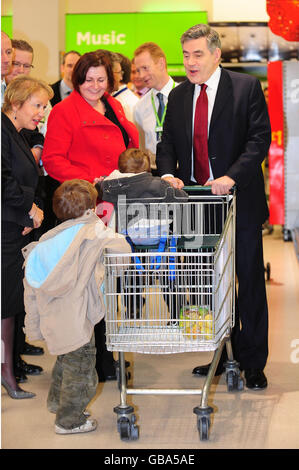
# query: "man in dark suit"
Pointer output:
{"type": "Point", "coordinates": [238, 137]}
{"type": "Point", "coordinates": [62, 88]}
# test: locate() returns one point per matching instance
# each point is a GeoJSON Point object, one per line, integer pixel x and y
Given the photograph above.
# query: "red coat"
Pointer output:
{"type": "Point", "coordinates": [82, 143]}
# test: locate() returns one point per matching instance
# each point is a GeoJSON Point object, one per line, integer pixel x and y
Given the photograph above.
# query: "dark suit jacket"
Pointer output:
{"type": "Point", "coordinates": [57, 96]}
{"type": "Point", "coordinates": [33, 137]}
{"type": "Point", "coordinates": [19, 175]}
{"type": "Point", "coordinates": [239, 138]}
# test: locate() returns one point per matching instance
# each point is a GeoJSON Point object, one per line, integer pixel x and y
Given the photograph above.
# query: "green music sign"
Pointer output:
{"type": "Point", "coordinates": [6, 25]}
{"type": "Point", "coordinates": [124, 32]}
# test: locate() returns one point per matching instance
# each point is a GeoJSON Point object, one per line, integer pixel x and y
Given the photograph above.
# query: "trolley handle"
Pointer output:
{"type": "Point", "coordinates": [205, 189]}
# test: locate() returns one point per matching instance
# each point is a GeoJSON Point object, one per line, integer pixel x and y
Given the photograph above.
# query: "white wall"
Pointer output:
{"type": "Point", "coordinates": [218, 10]}
{"type": "Point", "coordinates": [239, 10]}
{"type": "Point", "coordinates": [41, 23]}
{"type": "Point", "coordinates": [114, 6]}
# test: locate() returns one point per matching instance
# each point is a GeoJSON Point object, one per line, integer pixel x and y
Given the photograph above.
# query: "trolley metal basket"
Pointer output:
{"type": "Point", "coordinates": [177, 294]}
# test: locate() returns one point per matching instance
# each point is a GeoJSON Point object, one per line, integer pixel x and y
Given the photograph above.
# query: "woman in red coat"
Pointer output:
{"type": "Point", "coordinates": [86, 133]}
{"type": "Point", "coordinates": [88, 130]}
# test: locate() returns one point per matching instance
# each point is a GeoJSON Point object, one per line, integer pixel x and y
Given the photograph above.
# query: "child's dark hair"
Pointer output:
{"type": "Point", "coordinates": [72, 198]}
{"type": "Point", "coordinates": [134, 161]}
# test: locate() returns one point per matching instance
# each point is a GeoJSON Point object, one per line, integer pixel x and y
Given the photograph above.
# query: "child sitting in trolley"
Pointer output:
{"type": "Point", "coordinates": [134, 180]}
{"type": "Point", "coordinates": [63, 274]}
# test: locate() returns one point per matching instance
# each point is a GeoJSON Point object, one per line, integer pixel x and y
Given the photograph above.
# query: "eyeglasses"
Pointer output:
{"type": "Point", "coordinates": [25, 66]}
{"type": "Point", "coordinates": [119, 71]}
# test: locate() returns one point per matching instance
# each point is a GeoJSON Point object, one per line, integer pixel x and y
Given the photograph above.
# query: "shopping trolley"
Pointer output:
{"type": "Point", "coordinates": [178, 293]}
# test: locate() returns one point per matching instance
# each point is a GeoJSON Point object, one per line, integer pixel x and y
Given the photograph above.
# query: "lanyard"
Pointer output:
{"type": "Point", "coordinates": [159, 126]}
{"type": "Point", "coordinates": [119, 92]}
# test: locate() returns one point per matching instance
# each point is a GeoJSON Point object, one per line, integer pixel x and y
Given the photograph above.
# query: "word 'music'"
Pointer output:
{"type": "Point", "coordinates": [95, 39]}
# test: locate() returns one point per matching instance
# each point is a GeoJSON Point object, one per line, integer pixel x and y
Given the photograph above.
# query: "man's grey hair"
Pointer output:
{"type": "Point", "coordinates": [203, 31]}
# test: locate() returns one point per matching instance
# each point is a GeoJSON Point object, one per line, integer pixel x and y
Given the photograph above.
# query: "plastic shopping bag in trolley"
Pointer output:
{"type": "Point", "coordinates": [157, 259]}
{"type": "Point", "coordinates": [148, 231]}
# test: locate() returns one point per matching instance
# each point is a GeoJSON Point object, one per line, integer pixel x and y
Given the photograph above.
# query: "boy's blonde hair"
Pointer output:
{"type": "Point", "coordinates": [72, 198]}
{"type": "Point", "coordinates": [133, 161]}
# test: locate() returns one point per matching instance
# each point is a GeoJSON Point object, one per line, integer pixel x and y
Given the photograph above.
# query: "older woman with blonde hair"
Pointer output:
{"type": "Point", "coordinates": [24, 105]}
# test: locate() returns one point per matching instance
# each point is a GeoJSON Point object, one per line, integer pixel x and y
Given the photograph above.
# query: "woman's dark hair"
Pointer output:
{"type": "Point", "coordinates": [72, 198]}
{"type": "Point", "coordinates": [92, 59]}
{"type": "Point", "coordinates": [125, 64]}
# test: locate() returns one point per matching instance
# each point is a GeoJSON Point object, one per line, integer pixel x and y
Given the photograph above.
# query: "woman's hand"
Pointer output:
{"type": "Point", "coordinates": [37, 153]}
{"type": "Point", "coordinates": [37, 215]}
{"type": "Point", "coordinates": [27, 230]}
{"type": "Point", "coordinates": [98, 180]}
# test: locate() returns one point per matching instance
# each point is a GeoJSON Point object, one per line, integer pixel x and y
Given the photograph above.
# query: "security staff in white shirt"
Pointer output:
{"type": "Point", "coordinates": [150, 111]}
{"type": "Point", "coordinates": [121, 67]}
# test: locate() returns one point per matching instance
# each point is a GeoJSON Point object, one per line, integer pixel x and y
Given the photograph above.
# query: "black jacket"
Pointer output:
{"type": "Point", "coordinates": [33, 137]}
{"type": "Point", "coordinates": [19, 175]}
{"type": "Point", "coordinates": [57, 96]}
{"type": "Point", "coordinates": [143, 186]}
{"type": "Point", "coordinates": [239, 139]}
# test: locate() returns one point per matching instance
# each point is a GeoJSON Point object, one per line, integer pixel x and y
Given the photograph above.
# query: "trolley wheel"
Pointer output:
{"type": "Point", "coordinates": [203, 421]}
{"type": "Point", "coordinates": [203, 425]}
{"type": "Point", "coordinates": [234, 381]}
{"type": "Point", "coordinates": [127, 428]}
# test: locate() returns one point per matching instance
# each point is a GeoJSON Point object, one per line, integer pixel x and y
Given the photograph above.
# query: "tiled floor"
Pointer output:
{"type": "Point", "coordinates": [267, 419]}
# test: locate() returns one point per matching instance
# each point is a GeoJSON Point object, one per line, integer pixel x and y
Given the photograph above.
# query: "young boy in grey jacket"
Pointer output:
{"type": "Point", "coordinates": [63, 274]}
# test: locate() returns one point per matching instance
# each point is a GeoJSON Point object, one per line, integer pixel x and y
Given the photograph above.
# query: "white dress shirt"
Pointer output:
{"type": "Point", "coordinates": [212, 86]}
{"type": "Point", "coordinates": [128, 100]}
{"type": "Point", "coordinates": [144, 117]}
{"type": "Point", "coordinates": [3, 88]}
{"type": "Point", "coordinates": [211, 90]}
{"type": "Point", "coordinates": [64, 89]}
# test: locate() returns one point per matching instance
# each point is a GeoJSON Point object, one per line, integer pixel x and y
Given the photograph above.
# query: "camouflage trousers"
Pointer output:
{"type": "Point", "coordinates": [74, 384]}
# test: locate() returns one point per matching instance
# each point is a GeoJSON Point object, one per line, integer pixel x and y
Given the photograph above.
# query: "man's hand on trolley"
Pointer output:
{"type": "Point", "coordinates": [221, 185]}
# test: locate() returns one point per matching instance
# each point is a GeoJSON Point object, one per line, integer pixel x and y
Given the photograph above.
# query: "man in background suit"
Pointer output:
{"type": "Point", "coordinates": [6, 60]}
{"type": "Point", "coordinates": [62, 88]}
{"type": "Point", "coordinates": [239, 136]}
{"type": "Point", "coordinates": [22, 65]}
{"type": "Point", "coordinates": [149, 112]}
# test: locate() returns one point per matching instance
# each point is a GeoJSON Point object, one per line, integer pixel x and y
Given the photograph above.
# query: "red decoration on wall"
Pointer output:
{"type": "Point", "coordinates": [284, 18]}
{"type": "Point", "coordinates": [276, 151]}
